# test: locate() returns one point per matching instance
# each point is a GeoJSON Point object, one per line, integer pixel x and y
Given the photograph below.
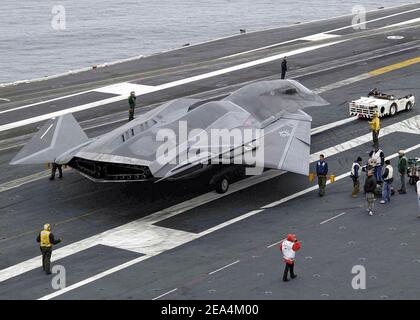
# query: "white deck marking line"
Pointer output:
{"type": "Point", "coordinates": [5, 99]}
{"type": "Point", "coordinates": [245, 65]}
{"type": "Point", "coordinates": [339, 215]}
{"type": "Point", "coordinates": [46, 131]}
{"type": "Point", "coordinates": [402, 23]}
{"type": "Point", "coordinates": [320, 36]}
{"type": "Point", "coordinates": [13, 146]}
{"type": "Point", "coordinates": [45, 101]}
{"type": "Point", "coordinates": [329, 126]}
{"type": "Point", "coordinates": [94, 278]}
{"type": "Point", "coordinates": [172, 84]}
{"type": "Point", "coordinates": [252, 213]}
{"type": "Point", "coordinates": [259, 49]}
{"type": "Point", "coordinates": [162, 295]}
{"type": "Point", "coordinates": [344, 82]}
{"type": "Point", "coordinates": [24, 180]}
{"type": "Point", "coordinates": [48, 116]}
{"type": "Point", "coordinates": [323, 34]}
{"type": "Point", "coordinates": [274, 244]}
{"type": "Point", "coordinates": [293, 196]}
{"type": "Point", "coordinates": [226, 266]}
{"type": "Point", "coordinates": [111, 89]}
{"type": "Point", "coordinates": [229, 222]}
{"type": "Point", "coordinates": [144, 237]}
{"type": "Point", "coordinates": [124, 89]}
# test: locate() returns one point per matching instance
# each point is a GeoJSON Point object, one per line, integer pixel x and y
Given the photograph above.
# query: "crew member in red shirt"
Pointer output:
{"type": "Point", "coordinates": [288, 247]}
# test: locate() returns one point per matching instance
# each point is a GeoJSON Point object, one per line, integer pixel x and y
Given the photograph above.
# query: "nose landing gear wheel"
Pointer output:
{"type": "Point", "coordinates": [222, 185]}
{"type": "Point", "coordinates": [393, 110]}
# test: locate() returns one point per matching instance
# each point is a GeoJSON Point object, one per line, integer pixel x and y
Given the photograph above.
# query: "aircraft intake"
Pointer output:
{"type": "Point", "coordinates": [107, 171]}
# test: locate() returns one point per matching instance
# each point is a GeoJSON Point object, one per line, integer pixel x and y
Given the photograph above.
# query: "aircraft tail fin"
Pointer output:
{"type": "Point", "coordinates": [57, 136]}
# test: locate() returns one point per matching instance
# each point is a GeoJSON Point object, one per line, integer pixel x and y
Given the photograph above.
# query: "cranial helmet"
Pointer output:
{"type": "Point", "coordinates": [291, 237]}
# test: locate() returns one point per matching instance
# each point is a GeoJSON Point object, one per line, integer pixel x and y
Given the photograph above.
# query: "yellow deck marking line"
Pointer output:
{"type": "Point", "coordinates": [395, 66]}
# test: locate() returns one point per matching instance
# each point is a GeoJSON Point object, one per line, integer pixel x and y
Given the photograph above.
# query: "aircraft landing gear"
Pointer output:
{"type": "Point", "coordinates": [222, 185]}
{"type": "Point", "coordinates": [223, 177]}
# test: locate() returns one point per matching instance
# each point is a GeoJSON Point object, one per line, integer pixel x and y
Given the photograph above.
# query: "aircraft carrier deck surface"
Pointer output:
{"type": "Point", "coordinates": [181, 240]}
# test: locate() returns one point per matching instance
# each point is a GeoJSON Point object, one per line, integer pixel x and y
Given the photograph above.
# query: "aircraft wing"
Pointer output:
{"type": "Point", "coordinates": [57, 136]}
{"type": "Point", "coordinates": [287, 145]}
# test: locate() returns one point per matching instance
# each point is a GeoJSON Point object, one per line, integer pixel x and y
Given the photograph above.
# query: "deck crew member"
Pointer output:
{"type": "Point", "coordinates": [288, 247]}
{"type": "Point", "coordinates": [369, 188]}
{"type": "Point", "coordinates": [378, 157]}
{"type": "Point", "coordinates": [388, 178]}
{"type": "Point", "coordinates": [131, 105]}
{"type": "Point", "coordinates": [54, 167]}
{"type": "Point", "coordinates": [283, 68]}
{"type": "Point", "coordinates": [375, 127]}
{"type": "Point", "coordinates": [356, 168]}
{"type": "Point", "coordinates": [402, 169]}
{"type": "Point", "coordinates": [46, 241]}
{"type": "Point", "coordinates": [373, 92]}
{"type": "Point", "coordinates": [321, 172]}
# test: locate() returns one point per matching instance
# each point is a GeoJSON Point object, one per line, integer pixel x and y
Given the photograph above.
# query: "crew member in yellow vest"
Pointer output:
{"type": "Point", "coordinates": [46, 241]}
{"type": "Point", "coordinates": [375, 126]}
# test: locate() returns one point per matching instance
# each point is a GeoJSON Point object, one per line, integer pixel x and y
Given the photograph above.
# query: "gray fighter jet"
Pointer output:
{"type": "Point", "coordinates": [260, 126]}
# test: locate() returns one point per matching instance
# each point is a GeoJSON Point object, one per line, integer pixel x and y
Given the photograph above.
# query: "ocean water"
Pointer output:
{"type": "Point", "coordinates": [33, 44]}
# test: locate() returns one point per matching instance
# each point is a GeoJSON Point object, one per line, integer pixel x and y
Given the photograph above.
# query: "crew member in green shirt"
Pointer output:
{"type": "Point", "coordinates": [132, 105]}
{"type": "Point", "coordinates": [402, 169]}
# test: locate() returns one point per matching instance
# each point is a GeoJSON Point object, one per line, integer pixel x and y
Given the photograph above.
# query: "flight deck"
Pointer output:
{"type": "Point", "coordinates": [181, 239]}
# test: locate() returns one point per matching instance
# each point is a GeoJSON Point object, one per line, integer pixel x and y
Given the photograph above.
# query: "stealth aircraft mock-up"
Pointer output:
{"type": "Point", "coordinates": [261, 125]}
